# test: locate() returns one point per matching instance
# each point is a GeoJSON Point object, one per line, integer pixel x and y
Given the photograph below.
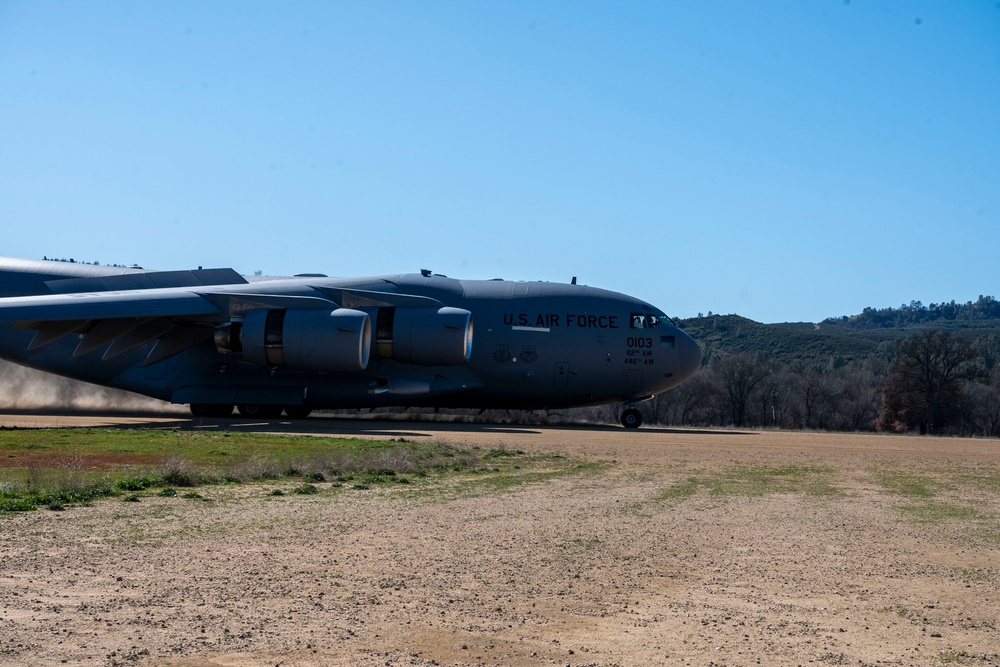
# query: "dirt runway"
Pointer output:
{"type": "Point", "coordinates": [854, 549]}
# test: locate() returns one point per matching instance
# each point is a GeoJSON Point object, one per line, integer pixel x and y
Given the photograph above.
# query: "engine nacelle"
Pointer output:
{"type": "Point", "coordinates": [306, 339]}
{"type": "Point", "coordinates": [424, 336]}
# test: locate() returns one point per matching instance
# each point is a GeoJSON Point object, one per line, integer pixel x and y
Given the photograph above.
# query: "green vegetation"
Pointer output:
{"type": "Point", "coordinates": [679, 492]}
{"type": "Point", "coordinates": [788, 344]}
{"type": "Point", "coordinates": [933, 371]}
{"type": "Point", "coordinates": [907, 484]}
{"type": "Point", "coordinates": [199, 448]}
{"type": "Point", "coordinates": [839, 340]}
{"type": "Point", "coordinates": [754, 481]}
{"type": "Point", "coordinates": [65, 467]}
{"type": "Point", "coordinates": [937, 512]}
{"type": "Point", "coordinates": [985, 310]}
{"type": "Point", "coordinates": [923, 493]}
{"type": "Point", "coordinates": [515, 470]}
{"type": "Point", "coordinates": [953, 657]}
{"type": "Point", "coordinates": [986, 481]}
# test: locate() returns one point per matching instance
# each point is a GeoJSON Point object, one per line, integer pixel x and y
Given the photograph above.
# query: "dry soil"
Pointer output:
{"type": "Point", "coordinates": [853, 550]}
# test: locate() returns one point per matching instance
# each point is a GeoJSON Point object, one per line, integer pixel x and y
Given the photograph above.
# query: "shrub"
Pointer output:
{"type": "Point", "coordinates": [16, 505]}
{"type": "Point", "coordinates": [136, 482]}
{"type": "Point", "coordinates": [179, 472]}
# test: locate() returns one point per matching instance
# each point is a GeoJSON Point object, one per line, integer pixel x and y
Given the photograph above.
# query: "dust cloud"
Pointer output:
{"type": "Point", "coordinates": [27, 389]}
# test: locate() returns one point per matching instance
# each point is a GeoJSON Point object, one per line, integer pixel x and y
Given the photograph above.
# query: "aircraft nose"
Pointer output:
{"type": "Point", "coordinates": [688, 355]}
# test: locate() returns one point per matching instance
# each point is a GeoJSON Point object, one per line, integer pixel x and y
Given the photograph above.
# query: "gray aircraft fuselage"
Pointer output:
{"type": "Point", "coordinates": [216, 339]}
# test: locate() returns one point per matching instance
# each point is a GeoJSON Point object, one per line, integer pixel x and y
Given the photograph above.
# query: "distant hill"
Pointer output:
{"type": "Point", "coordinates": [791, 344]}
{"type": "Point", "coordinates": [983, 312]}
{"type": "Point", "coordinates": [837, 341]}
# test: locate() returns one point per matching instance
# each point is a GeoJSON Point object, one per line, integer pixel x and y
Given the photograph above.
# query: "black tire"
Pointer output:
{"type": "Point", "coordinates": [211, 410]}
{"type": "Point", "coordinates": [297, 411]}
{"type": "Point", "coordinates": [258, 411]}
{"type": "Point", "coordinates": [631, 418]}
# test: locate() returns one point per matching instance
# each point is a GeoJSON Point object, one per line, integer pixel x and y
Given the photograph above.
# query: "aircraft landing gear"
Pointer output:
{"type": "Point", "coordinates": [297, 411]}
{"type": "Point", "coordinates": [211, 410]}
{"type": "Point", "coordinates": [631, 418]}
{"type": "Point", "coordinates": [256, 411]}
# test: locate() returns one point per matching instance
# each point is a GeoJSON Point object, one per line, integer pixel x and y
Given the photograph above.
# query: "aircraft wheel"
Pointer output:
{"type": "Point", "coordinates": [297, 411]}
{"type": "Point", "coordinates": [631, 418]}
{"type": "Point", "coordinates": [211, 410]}
{"type": "Point", "coordinates": [258, 411]}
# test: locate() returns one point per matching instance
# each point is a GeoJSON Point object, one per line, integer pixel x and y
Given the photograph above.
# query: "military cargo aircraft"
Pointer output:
{"type": "Point", "coordinates": [215, 340]}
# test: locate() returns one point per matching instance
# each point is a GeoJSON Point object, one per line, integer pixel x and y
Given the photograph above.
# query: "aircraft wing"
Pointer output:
{"type": "Point", "coordinates": [106, 305]}
{"type": "Point", "coordinates": [176, 318]}
{"type": "Point", "coordinates": [179, 310]}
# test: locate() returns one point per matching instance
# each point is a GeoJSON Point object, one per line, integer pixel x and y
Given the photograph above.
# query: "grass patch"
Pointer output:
{"type": "Point", "coordinates": [502, 453]}
{"type": "Point", "coordinates": [87, 448]}
{"type": "Point", "coordinates": [496, 477]}
{"type": "Point", "coordinates": [17, 505]}
{"type": "Point", "coordinates": [938, 512]}
{"type": "Point", "coordinates": [138, 482]}
{"type": "Point", "coordinates": [679, 492]}
{"type": "Point", "coordinates": [907, 484]}
{"type": "Point", "coordinates": [952, 657]}
{"type": "Point", "coordinates": [754, 481]}
{"type": "Point", "coordinates": [903, 612]}
{"type": "Point", "coordinates": [948, 497]}
{"type": "Point", "coordinates": [986, 482]}
{"type": "Point", "coordinates": [501, 482]}
{"type": "Point", "coordinates": [67, 467]}
{"type": "Point", "coordinates": [967, 574]}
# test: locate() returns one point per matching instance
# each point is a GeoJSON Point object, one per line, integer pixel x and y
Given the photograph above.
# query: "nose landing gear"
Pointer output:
{"type": "Point", "coordinates": [631, 418]}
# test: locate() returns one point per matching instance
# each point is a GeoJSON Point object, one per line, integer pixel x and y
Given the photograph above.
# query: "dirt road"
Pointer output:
{"type": "Point", "coordinates": [684, 547]}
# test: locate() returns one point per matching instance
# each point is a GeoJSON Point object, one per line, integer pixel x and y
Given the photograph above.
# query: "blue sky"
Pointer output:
{"type": "Point", "coordinates": [784, 161]}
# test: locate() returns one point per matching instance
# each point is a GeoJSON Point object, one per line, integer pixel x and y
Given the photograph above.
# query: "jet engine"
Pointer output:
{"type": "Point", "coordinates": [306, 339]}
{"type": "Point", "coordinates": [424, 336]}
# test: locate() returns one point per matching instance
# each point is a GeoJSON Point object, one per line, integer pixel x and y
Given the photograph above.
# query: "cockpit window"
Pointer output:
{"type": "Point", "coordinates": [645, 320]}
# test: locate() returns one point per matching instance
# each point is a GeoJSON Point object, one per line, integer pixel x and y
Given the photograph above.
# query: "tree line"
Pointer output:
{"type": "Point", "coordinates": [916, 313]}
{"type": "Point", "coordinates": [932, 382]}
{"type": "Point", "coordinates": [73, 261]}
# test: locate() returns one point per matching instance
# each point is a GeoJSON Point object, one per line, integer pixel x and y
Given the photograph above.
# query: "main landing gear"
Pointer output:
{"type": "Point", "coordinates": [251, 410]}
{"type": "Point", "coordinates": [211, 410]}
{"type": "Point", "coordinates": [631, 418]}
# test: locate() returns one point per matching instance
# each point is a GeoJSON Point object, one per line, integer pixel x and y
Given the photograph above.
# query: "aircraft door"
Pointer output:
{"type": "Point", "coordinates": [561, 380]}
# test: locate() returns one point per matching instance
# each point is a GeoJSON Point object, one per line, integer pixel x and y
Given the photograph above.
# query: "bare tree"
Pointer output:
{"type": "Point", "coordinates": [925, 386]}
{"type": "Point", "coordinates": [740, 375]}
{"type": "Point", "coordinates": [688, 403]}
{"type": "Point", "coordinates": [980, 407]}
{"type": "Point", "coordinates": [854, 399]}
{"type": "Point", "coordinates": [813, 392]}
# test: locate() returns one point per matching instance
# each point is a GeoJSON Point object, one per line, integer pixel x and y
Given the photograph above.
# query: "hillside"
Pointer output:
{"type": "Point", "coordinates": [941, 315]}
{"type": "Point", "coordinates": [831, 343]}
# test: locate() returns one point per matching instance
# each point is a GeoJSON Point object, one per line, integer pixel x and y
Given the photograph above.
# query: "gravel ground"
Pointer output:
{"type": "Point", "coordinates": [646, 559]}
